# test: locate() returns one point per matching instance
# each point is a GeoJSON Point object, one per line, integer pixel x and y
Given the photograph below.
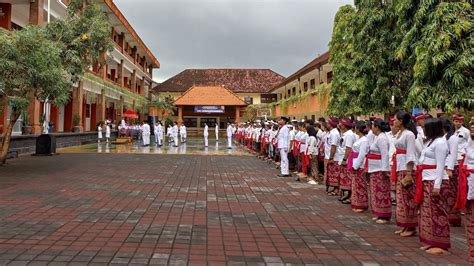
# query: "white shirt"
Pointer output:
{"type": "Point", "coordinates": [230, 132]}
{"type": "Point", "coordinates": [380, 146]}
{"type": "Point", "coordinates": [469, 162]}
{"type": "Point", "coordinates": [453, 145]}
{"type": "Point", "coordinates": [206, 131]}
{"type": "Point", "coordinates": [175, 131]}
{"type": "Point", "coordinates": [463, 135]}
{"type": "Point", "coordinates": [303, 138]}
{"type": "Point", "coordinates": [146, 131]}
{"type": "Point", "coordinates": [348, 139]}
{"type": "Point", "coordinates": [283, 136]}
{"type": "Point", "coordinates": [405, 140]}
{"type": "Point", "coordinates": [182, 130]}
{"type": "Point", "coordinates": [361, 146]}
{"type": "Point", "coordinates": [320, 137]}
{"type": "Point", "coordinates": [107, 131]}
{"type": "Point", "coordinates": [312, 147]}
{"type": "Point", "coordinates": [435, 154]}
{"type": "Point", "coordinates": [391, 142]}
{"type": "Point", "coordinates": [332, 139]}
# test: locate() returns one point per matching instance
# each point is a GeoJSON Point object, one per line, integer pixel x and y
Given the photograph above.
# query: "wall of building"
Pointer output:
{"type": "Point", "coordinates": [309, 106]}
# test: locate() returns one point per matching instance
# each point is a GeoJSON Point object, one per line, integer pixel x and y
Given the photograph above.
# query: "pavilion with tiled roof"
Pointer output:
{"type": "Point", "coordinates": [210, 104]}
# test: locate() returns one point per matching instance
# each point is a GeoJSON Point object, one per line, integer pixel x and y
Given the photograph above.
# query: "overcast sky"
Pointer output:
{"type": "Point", "coordinates": [282, 35]}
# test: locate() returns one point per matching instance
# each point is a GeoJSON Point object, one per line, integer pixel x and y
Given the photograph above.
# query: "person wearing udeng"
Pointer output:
{"type": "Point", "coordinates": [403, 174]}
{"type": "Point", "coordinates": [206, 135]}
{"type": "Point", "coordinates": [283, 139]}
{"type": "Point", "coordinates": [230, 132]}
{"type": "Point", "coordinates": [431, 183]}
{"type": "Point", "coordinates": [378, 169]}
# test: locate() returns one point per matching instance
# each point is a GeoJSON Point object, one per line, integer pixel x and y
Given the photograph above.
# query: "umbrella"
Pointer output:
{"type": "Point", "coordinates": [130, 114]}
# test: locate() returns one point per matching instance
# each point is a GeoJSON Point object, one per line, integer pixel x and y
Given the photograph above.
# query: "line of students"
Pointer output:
{"type": "Point", "coordinates": [428, 162]}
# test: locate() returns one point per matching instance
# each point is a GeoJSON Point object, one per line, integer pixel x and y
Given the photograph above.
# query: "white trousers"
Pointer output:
{"type": "Point", "coordinates": [206, 141]}
{"type": "Point", "coordinates": [217, 136]}
{"type": "Point", "coordinates": [183, 137]}
{"type": "Point", "coordinates": [146, 139]}
{"type": "Point", "coordinates": [229, 142]}
{"type": "Point", "coordinates": [176, 141]}
{"type": "Point", "coordinates": [284, 167]}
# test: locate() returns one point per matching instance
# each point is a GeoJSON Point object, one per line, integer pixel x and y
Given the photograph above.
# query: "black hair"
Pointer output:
{"type": "Point", "coordinates": [448, 127]}
{"type": "Point", "coordinates": [301, 124]}
{"type": "Point", "coordinates": [433, 129]}
{"type": "Point", "coordinates": [310, 122]}
{"type": "Point", "coordinates": [382, 125]}
{"type": "Point", "coordinates": [311, 130]}
{"type": "Point", "coordinates": [407, 121]}
{"type": "Point", "coordinates": [321, 119]}
{"type": "Point", "coordinates": [361, 126]}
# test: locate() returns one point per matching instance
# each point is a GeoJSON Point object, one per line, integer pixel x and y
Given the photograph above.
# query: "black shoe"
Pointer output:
{"type": "Point", "coordinates": [280, 175]}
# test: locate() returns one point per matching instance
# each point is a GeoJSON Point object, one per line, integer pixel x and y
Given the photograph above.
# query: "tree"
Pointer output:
{"type": "Point", "coordinates": [366, 72]}
{"type": "Point", "coordinates": [438, 45]}
{"type": "Point", "coordinates": [46, 62]}
{"type": "Point", "coordinates": [30, 66]}
{"type": "Point", "coordinates": [164, 106]}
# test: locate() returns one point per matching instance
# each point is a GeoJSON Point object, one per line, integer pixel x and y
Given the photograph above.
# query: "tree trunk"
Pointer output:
{"type": "Point", "coordinates": [14, 115]}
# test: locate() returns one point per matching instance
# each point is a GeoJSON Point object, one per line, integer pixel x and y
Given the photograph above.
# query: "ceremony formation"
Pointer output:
{"type": "Point", "coordinates": [236, 132]}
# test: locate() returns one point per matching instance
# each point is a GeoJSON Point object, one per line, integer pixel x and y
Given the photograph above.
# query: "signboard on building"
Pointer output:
{"type": "Point", "coordinates": [5, 15]}
{"type": "Point", "coordinates": [209, 109]}
{"type": "Point", "coordinates": [264, 112]}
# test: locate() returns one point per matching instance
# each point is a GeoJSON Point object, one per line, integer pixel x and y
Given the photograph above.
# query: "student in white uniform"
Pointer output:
{"type": "Point", "coordinates": [175, 134]}
{"type": "Point", "coordinates": [283, 143]}
{"type": "Point", "coordinates": [217, 132]}
{"type": "Point", "coordinates": [432, 183]}
{"type": "Point", "coordinates": [206, 135]}
{"type": "Point", "coordinates": [156, 131]}
{"type": "Point", "coordinates": [182, 133]}
{"type": "Point", "coordinates": [230, 133]}
{"type": "Point", "coordinates": [99, 132]}
{"type": "Point", "coordinates": [107, 133]}
{"type": "Point", "coordinates": [146, 132]}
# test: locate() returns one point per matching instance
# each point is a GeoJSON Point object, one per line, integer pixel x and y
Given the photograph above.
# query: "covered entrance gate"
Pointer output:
{"type": "Point", "coordinates": [209, 105]}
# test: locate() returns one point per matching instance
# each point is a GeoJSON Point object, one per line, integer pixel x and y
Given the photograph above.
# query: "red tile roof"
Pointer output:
{"type": "Point", "coordinates": [237, 80]}
{"type": "Point", "coordinates": [209, 95]}
{"type": "Point", "coordinates": [316, 63]}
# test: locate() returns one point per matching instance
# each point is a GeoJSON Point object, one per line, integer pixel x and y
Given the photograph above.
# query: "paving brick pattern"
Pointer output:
{"type": "Point", "coordinates": [184, 209]}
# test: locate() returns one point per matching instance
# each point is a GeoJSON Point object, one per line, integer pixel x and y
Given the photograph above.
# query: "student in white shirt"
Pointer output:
{"type": "Point", "coordinates": [217, 131]}
{"type": "Point", "coordinates": [465, 199]}
{"type": "Point", "coordinates": [107, 133]}
{"type": "Point", "coordinates": [432, 182]}
{"type": "Point", "coordinates": [206, 135]}
{"type": "Point", "coordinates": [283, 142]}
{"type": "Point", "coordinates": [452, 170]}
{"type": "Point", "coordinates": [230, 133]}
{"type": "Point", "coordinates": [158, 134]}
{"type": "Point", "coordinates": [146, 132]}
{"type": "Point", "coordinates": [360, 194]}
{"type": "Point", "coordinates": [183, 133]}
{"type": "Point", "coordinates": [344, 150]}
{"type": "Point", "coordinates": [330, 157]}
{"type": "Point", "coordinates": [99, 132]}
{"type": "Point", "coordinates": [402, 172]}
{"type": "Point", "coordinates": [379, 172]}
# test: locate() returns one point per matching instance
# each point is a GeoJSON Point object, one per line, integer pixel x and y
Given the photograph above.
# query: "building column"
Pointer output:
{"type": "Point", "coordinates": [120, 73]}
{"type": "Point", "coordinates": [133, 81]}
{"type": "Point", "coordinates": [34, 113]}
{"type": "Point", "coordinates": [237, 114]}
{"type": "Point", "coordinates": [100, 107]}
{"type": "Point", "coordinates": [104, 71]}
{"type": "Point", "coordinates": [180, 116]}
{"type": "Point", "coordinates": [77, 104]}
{"type": "Point", "coordinates": [36, 12]}
{"type": "Point", "coordinates": [142, 87]}
{"type": "Point", "coordinates": [122, 41]}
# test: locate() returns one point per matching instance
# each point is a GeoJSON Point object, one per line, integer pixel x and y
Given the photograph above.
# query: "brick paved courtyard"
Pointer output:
{"type": "Point", "coordinates": [179, 209]}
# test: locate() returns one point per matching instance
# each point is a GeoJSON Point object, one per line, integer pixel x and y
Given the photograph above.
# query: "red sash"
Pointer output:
{"type": "Point", "coordinates": [296, 147]}
{"type": "Point", "coordinates": [419, 181]}
{"type": "Point", "coordinates": [393, 172]}
{"type": "Point", "coordinates": [371, 156]}
{"type": "Point", "coordinates": [350, 159]}
{"type": "Point", "coordinates": [462, 185]}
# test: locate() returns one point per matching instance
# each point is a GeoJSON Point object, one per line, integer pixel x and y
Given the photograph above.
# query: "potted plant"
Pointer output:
{"type": "Point", "coordinates": [76, 120]}
{"type": "Point", "coordinates": [26, 129]}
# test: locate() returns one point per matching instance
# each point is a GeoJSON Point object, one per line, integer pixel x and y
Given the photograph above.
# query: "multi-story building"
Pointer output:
{"type": "Point", "coordinates": [241, 87]}
{"type": "Point", "coordinates": [304, 94]}
{"type": "Point", "coordinates": [123, 83]}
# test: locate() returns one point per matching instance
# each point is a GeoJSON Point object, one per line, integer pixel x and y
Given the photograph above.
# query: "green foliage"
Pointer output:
{"type": "Point", "coordinates": [438, 44]}
{"type": "Point", "coordinates": [420, 52]}
{"type": "Point", "coordinates": [83, 36]}
{"type": "Point", "coordinates": [31, 65]}
{"type": "Point", "coordinates": [76, 120]}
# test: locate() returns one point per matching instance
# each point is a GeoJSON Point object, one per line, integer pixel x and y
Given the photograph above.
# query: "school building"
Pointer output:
{"type": "Point", "coordinates": [218, 96]}
{"type": "Point", "coordinates": [123, 84]}
{"type": "Point", "coordinates": [305, 93]}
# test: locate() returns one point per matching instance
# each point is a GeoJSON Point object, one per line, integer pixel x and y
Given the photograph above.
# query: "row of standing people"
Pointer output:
{"type": "Point", "coordinates": [428, 162]}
